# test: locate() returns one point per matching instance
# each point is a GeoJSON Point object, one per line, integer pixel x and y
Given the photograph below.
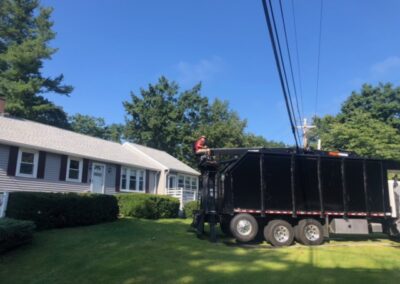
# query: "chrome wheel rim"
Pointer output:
{"type": "Point", "coordinates": [281, 234]}
{"type": "Point", "coordinates": [311, 232]}
{"type": "Point", "coordinates": [244, 227]}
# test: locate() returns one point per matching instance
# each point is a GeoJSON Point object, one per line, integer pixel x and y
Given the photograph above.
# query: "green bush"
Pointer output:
{"type": "Point", "coordinates": [189, 207]}
{"type": "Point", "coordinates": [14, 233]}
{"type": "Point", "coordinates": [148, 206]}
{"type": "Point", "coordinates": [58, 210]}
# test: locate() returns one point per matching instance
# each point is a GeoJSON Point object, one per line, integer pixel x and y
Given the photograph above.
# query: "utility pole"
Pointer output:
{"type": "Point", "coordinates": [305, 129]}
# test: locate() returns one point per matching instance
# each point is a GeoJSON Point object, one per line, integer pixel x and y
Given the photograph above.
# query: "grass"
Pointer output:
{"type": "Point", "coordinates": [166, 251]}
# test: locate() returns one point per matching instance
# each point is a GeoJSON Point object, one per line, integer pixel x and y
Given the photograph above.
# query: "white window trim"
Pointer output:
{"type": "Point", "coordinates": [35, 163]}
{"type": "Point", "coordinates": [197, 182]}
{"type": "Point", "coordinates": [185, 177]}
{"type": "Point", "coordinates": [128, 171]}
{"type": "Point", "coordinates": [176, 181]}
{"type": "Point", "coordinates": [79, 179]}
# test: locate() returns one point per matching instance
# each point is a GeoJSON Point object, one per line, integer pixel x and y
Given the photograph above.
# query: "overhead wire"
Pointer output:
{"type": "Point", "coordinates": [281, 70]}
{"type": "Point", "coordinates": [290, 61]}
{"type": "Point", "coordinates": [298, 59]}
{"type": "Point", "coordinates": [318, 57]}
{"type": "Point", "coordinates": [284, 69]}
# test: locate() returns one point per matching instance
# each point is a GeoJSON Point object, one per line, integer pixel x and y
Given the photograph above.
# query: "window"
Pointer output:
{"type": "Point", "coordinates": [172, 182]}
{"type": "Point", "coordinates": [132, 179]}
{"type": "Point", "coordinates": [27, 163]}
{"type": "Point", "coordinates": [74, 169]}
{"type": "Point", "coordinates": [187, 182]}
{"type": "Point", "coordinates": [181, 181]}
{"type": "Point", "coordinates": [141, 180]}
{"type": "Point", "coordinates": [194, 183]}
{"type": "Point", "coordinates": [123, 178]}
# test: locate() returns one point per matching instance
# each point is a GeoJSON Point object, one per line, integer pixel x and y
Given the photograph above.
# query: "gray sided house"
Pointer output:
{"type": "Point", "coordinates": [38, 157]}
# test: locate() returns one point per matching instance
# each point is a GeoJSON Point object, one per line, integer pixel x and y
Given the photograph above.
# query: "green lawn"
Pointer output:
{"type": "Point", "coordinates": [166, 251]}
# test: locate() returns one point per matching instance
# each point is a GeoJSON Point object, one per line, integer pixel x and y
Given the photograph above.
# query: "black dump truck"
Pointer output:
{"type": "Point", "coordinates": [289, 194]}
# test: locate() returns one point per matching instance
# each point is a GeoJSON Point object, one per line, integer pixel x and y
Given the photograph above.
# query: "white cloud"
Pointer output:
{"type": "Point", "coordinates": [387, 70]}
{"type": "Point", "coordinates": [203, 70]}
{"type": "Point", "coordinates": [389, 64]}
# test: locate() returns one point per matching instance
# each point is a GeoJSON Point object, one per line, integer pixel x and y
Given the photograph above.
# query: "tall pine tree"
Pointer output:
{"type": "Point", "coordinates": [25, 33]}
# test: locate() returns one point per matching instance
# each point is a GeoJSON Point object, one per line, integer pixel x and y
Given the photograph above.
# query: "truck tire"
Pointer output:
{"type": "Point", "coordinates": [309, 232]}
{"type": "Point", "coordinates": [244, 227]}
{"type": "Point", "coordinates": [279, 233]}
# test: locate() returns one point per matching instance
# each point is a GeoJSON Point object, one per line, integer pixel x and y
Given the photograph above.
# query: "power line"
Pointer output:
{"type": "Point", "coordinates": [290, 61]}
{"type": "Point", "coordinates": [284, 68]}
{"type": "Point", "coordinates": [298, 60]}
{"type": "Point", "coordinates": [278, 65]}
{"type": "Point", "coordinates": [319, 56]}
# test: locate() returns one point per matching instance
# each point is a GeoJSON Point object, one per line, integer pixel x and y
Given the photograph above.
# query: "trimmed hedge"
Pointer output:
{"type": "Point", "coordinates": [148, 206]}
{"type": "Point", "coordinates": [189, 208]}
{"type": "Point", "coordinates": [59, 210]}
{"type": "Point", "coordinates": [14, 233]}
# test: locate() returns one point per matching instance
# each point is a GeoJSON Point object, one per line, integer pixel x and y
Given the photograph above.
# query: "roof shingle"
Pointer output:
{"type": "Point", "coordinates": [31, 134]}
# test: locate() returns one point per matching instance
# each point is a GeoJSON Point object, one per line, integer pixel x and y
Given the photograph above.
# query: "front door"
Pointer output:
{"type": "Point", "coordinates": [98, 177]}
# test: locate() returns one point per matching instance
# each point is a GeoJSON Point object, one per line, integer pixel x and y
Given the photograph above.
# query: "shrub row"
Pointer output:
{"type": "Point", "coordinates": [189, 208]}
{"type": "Point", "coordinates": [148, 206]}
{"type": "Point", "coordinates": [58, 210]}
{"type": "Point", "coordinates": [14, 233]}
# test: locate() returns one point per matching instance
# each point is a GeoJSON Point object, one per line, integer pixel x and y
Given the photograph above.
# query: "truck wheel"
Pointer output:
{"type": "Point", "coordinates": [309, 232]}
{"type": "Point", "coordinates": [244, 227]}
{"type": "Point", "coordinates": [279, 233]}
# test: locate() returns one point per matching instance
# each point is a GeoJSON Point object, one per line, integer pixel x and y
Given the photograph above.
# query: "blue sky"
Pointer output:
{"type": "Point", "coordinates": [109, 48]}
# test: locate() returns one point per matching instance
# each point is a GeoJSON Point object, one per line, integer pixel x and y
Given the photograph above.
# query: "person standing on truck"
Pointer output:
{"type": "Point", "coordinates": [200, 148]}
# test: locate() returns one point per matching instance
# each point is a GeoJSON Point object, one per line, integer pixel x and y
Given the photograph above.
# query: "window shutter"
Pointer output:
{"type": "Point", "coordinates": [85, 170]}
{"type": "Point", "coordinates": [63, 167]}
{"type": "Point", "coordinates": [117, 178]}
{"type": "Point", "coordinates": [12, 161]}
{"type": "Point", "coordinates": [41, 165]}
{"type": "Point", "coordinates": [147, 181]}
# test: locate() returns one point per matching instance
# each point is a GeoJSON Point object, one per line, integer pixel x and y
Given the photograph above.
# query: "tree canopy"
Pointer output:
{"type": "Point", "coordinates": [96, 127]}
{"type": "Point", "coordinates": [25, 33]}
{"type": "Point", "coordinates": [368, 123]}
{"type": "Point", "coordinates": [166, 118]}
{"type": "Point", "coordinates": [382, 102]}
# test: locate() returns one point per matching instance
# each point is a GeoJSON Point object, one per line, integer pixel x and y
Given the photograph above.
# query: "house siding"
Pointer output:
{"type": "Point", "coordinates": [156, 182]}
{"type": "Point", "coordinates": [49, 184]}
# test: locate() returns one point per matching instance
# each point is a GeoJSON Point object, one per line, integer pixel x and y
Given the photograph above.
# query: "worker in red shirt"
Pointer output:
{"type": "Point", "coordinates": [200, 148]}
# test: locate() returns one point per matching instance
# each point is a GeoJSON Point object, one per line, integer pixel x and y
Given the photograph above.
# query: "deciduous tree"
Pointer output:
{"type": "Point", "coordinates": [96, 127]}
{"type": "Point", "coordinates": [165, 118]}
{"type": "Point", "coordinates": [368, 124]}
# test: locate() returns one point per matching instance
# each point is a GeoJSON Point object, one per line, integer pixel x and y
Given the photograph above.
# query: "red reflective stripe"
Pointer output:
{"type": "Point", "coordinates": [328, 213]}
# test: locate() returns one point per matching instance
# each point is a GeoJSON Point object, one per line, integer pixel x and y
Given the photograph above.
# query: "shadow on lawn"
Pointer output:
{"type": "Point", "coordinates": [142, 251]}
{"type": "Point", "coordinates": [199, 261]}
